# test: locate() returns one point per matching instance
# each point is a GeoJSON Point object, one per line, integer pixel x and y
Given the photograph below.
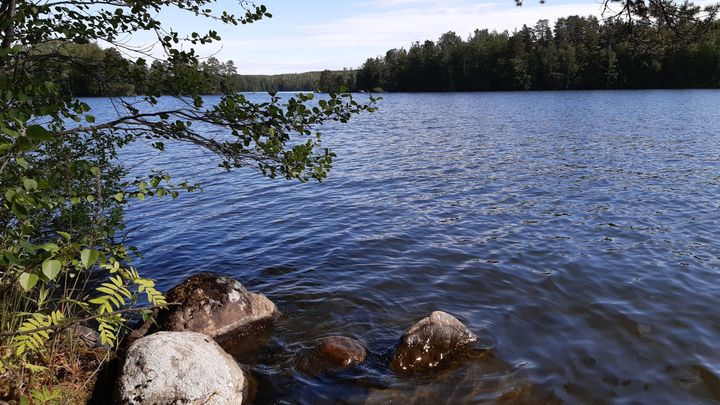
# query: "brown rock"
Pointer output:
{"type": "Point", "coordinates": [341, 351]}
{"type": "Point", "coordinates": [330, 354]}
{"type": "Point", "coordinates": [217, 306]}
{"type": "Point", "coordinates": [430, 341]}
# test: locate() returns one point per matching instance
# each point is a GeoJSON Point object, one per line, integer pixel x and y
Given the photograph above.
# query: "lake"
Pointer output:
{"type": "Point", "coordinates": [577, 232]}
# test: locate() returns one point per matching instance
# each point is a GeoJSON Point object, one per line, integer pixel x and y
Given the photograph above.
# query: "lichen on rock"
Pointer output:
{"type": "Point", "coordinates": [217, 306]}
{"type": "Point", "coordinates": [179, 368]}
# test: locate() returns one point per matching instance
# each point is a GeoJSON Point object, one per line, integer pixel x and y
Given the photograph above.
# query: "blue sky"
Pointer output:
{"type": "Point", "coordinates": [319, 34]}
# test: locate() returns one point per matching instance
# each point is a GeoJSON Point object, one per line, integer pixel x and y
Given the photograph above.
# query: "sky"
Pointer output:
{"type": "Point", "coordinates": [312, 35]}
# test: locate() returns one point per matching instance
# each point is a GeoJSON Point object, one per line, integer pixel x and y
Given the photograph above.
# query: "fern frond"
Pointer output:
{"type": "Point", "coordinates": [35, 331]}
{"type": "Point", "coordinates": [109, 328]}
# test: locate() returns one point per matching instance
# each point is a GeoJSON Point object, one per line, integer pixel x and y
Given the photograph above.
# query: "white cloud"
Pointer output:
{"type": "Point", "coordinates": [380, 25]}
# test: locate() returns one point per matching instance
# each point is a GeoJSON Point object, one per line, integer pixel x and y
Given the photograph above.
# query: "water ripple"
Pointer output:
{"type": "Point", "coordinates": [578, 230]}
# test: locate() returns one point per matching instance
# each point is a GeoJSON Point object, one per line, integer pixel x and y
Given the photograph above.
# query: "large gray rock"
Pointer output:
{"type": "Point", "coordinates": [430, 341]}
{"type": "Point", "coordinates": [217, 306]}
{"type": "Point", "coordinates": [179, 368]}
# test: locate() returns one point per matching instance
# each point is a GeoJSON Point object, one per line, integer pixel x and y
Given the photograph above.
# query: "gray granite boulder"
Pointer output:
{"type": "Point", "coordinates": [217, 306]}
{"type": "Point", "coordinates": [179, 368]}
{"type": "Point", "coordinates": [429, 342]}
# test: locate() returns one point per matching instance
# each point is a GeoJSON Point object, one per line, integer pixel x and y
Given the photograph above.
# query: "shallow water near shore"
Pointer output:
{"type": "Point", "coordinates": [577, 232]}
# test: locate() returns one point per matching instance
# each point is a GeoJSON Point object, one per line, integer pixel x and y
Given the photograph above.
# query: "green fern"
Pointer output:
{"type": "Point", "coordinates": [109, 328]}
{"type": "Point", "coordinates": [116, 295]}
{"type": "Point", "coordinates": [154, 297]}
{"type": "Point", "coordinates": [45, 395]}
{"type": "Point", "coordinates": [32, 336]}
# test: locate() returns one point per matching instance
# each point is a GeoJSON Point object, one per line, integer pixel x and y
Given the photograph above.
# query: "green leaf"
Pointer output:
{"type": "Point", "coordinates": [51, 268]}
{"type": "Point", "coordinates": [27, 281]}
{"type": "Point", "coordinates": [38, 133]}
{"type": "Point", "coordinates": [65, 235]}
{"type": "Point", "coordinates": [30, 184]}
{"type": "Point", "coordinates": [90, 118]}
{"type": "Point", "coordinates": [88, 257]}
{"type": "Point", "coordinates": [19, 210]}
{"type": "Point", "coordinates": [22, 162]}
{"type": "Point", "coordinates": [24, 144]}
{"type": "Point", "coordinates": [28, 247]}
{"type": "Point", "coordinates": [50, 247]}
{"type": "Point", "coordinates": [119, 197]}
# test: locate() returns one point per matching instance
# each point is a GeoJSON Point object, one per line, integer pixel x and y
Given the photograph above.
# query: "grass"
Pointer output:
{"type": "Point", "coordinates": [64, 373]}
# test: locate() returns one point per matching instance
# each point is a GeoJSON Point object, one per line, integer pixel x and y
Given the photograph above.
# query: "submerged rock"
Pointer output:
{"type": "Point", "coordinates": [472, 377]}
{"type": "Point", "coordinates": [341, 351]}
{"type": "Point", "coordinates": [217, 306]}
{"type": "Point", "coordinates": [329, 354]}
{"type": "Point", "coordinates": [179, 368]}
{"type": "Point", "coordinates": [430, 341]}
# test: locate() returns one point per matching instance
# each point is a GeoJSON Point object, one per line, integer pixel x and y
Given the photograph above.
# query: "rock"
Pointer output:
{"type": "Point", "coordinates": [328, 354]}
{"type": "Point", "coordinates": [141, 331]}
{"type": "Point", "coordinates": [472, 377]}
{"type": "Point", "coordinates": [217, 306]}
{"type": "Point", "coordinates": [86, 336]}
{"type": "Point", "coordinates": [341, 351]}
{"type": "Point", "coordinates": [179, 368]}
{"type": "Point", "coordinates": [430, 341]}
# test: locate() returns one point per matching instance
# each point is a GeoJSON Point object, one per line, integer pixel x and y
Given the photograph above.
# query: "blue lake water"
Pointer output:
{"type": "Point", "coordinates": [577, 232]}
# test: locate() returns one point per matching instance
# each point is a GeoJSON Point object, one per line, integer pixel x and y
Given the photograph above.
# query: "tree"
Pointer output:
{"type": "Point", "coordinates": [62, 191]}
{"type": "Point", "coordinates": [577, 53]}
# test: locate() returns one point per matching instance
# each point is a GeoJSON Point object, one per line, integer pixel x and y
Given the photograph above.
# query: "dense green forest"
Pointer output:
{"type": "Point", "coordinates": [95, 73]}
{"type": "Point", "coordinates": [579, 53]}
{"type": "Point", "coordinates": [325, 81]}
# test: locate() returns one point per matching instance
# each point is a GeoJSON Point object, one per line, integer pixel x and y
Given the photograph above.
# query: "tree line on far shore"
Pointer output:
{"type": "Point", "coordinates": [577, 53]}
{"type": "Point", "coordinates": [95, 73]}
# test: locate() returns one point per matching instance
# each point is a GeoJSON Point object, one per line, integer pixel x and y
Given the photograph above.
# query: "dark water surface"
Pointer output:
{"type": "Point", "coordinates": [576, 231]}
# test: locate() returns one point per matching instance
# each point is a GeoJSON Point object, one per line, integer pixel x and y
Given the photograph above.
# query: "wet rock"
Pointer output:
{"type": "Point", "coordinates": [179, 368]}
{"type": "Point", "coordinates": [341, 351]}
{"type": "Point", "coordinates": [430, 341]}
{"type": "Point", "coordinates": [217, 306]}
{"type": "Point", "coordinates": [328, 354]}
{"type": "Point", "coordinates": [475, 377]}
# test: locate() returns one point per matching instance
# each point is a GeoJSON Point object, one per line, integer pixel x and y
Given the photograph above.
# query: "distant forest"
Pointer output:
{"type": "Point", "coordinates": [577, 53]}
{"type": "Point", "coordinates": [95, 73]}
